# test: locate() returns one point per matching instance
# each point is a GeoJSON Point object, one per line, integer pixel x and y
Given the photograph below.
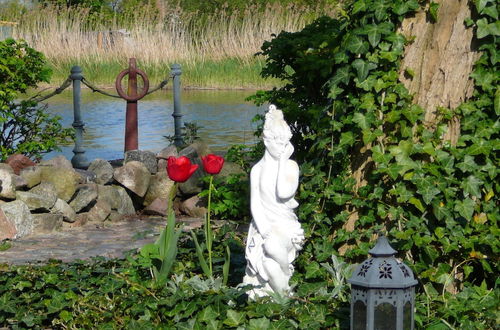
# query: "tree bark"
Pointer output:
{"type": "Point", "coordinates": [441, 58]}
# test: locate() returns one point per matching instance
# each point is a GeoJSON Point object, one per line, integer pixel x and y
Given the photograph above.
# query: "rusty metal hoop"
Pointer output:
{"type": "Point", "coordinates": [119, 88]}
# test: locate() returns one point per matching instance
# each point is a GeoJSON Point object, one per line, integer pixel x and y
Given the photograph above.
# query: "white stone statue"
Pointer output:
{"type": "Point", "coordinates": [275, 235]}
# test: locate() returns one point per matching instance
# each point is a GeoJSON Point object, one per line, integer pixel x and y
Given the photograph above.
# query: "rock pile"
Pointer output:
{"type": "Point", "coordinates": [43, 197]}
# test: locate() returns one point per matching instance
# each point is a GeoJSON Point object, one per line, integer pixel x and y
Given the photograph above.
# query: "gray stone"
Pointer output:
{"type": "Point", "coordinates": [47, 222]}
{"type": "Point", "coordinates": [109, 194]}
{"type": "Point", "coordinates": [64, 180]}
{"type": "Point", "coordinates": [59, 161]}
{"type": "Point", "coordinates": [80, 220]}
{"type": "Point", "coordinates": [194, 152]}
{"type": "Point", "coordinates": [134, 176]}
{"type": "Point", "coordinates": [167, 152]}
{"type": "Point", "coordinates": [7, 228]}
{"type": "Point", "coordinates": [157, 207]}
{"type": "Point", "coordinates": [85, 196]}
{"type": "Point", "coordinates": [7, 182]}
{"type": "Point", "coordinates": [6, 167]}
{"type": "Point", "coordinates": [125, 207]}
{"type": "Point", "coordinates": [115, 217]}
{"type": "Point", "coordinates": [40, 198]}
{"type": "Point", "coordinates": [100, 211]}
{"type": "Point", "coordinates": [117, 198]}
{"type": "Point", "coordinates": [85, 176]}
{"type": "Point", "coordinates": [162, 165]}
{"type": "Point", "coordinates": [69, 215]}
{"type": "Point", "coordinates": [32, 175]}
{"type": "Point", "coordinates": [160, 187]}
{"type": "Point", "coordinates": [194, 207]}
{"type": "Point", "coordinates": [18, 213]}
{"type": "Point", "coordinates": [19, 182]}
{"type": "Point", "coordinates": [146, 157]}
{"type": "Point", "coordinates": [103, 171]}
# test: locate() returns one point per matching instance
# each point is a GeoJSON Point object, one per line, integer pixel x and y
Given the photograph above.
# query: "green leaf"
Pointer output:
{"type": "Point", "coordinates": [234, 318]}
{"type": "Point", "coordinates": [313, 270]}
{"type": "Point", "coordinates": [358, 6]}
{"type": "Point", "coordinates": [394, 170]}
{"type": "Point", "coordinates": [341, 76]}
{"type": "Point", "coordinates": [465, 208]}
{"type": "Point", "coordinates": [417, 203]}
{"type": "Point", "coordinates": [207, 314]}
{"type": "Point", "coordinates": [201, 257]}
{"type": "Point", "coordinates": [225, 267]}
{"type": "Point", "coordinates": [340, 58]}
{"type": "Point", "coordinates": [66, 316]}
{"type": "Point", "coordinates": [484, 29]}
{"type": "Point", "coordinates": [346, 139]}
{"type": "Point", "coordinates": [373, 34]}
{"type": "Point", "coordinates": [364, 122]}
{"type": "Point", "coordinates": [428, 193]}
{"type": "Point", "coordinates": [481, 4]}
{"type": "Point", "coordinates": [468, 164]}
{"type": "Point", "coordinates": [440, 211]}
{"type": "Point", "coordinates": [380, 10]}
{"type": "Point", "coordinates": [356, 44]}
{"type": "Point", "coordinates": [440, 232]}
{"type": "Point", "coordinates": [379, 156]}
{"type": "Point", "coordinates": [402, 194]}
{"type": "Point", "coordinates": [472, 186]}
{"type": "Point", "coordinates": [341, 199]}
{"type": "Point", "coordinates": [433, 10]}
{"type": "Point", "coordinates": [480, 147]}
{"type": "Point", "coordinates": [258, 324]}
{"type": "Point", "coordinates": [363, 68]}
{"type": "Point", "coordinates": [491, 11]}
{"type": "Point", "coordinates": [370, 135]}
{"type": "Point", "coordinates": [496, 102]}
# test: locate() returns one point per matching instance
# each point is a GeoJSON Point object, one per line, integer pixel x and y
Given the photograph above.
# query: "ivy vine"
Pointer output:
{"type": "Point", "coordinates": [437, 202]}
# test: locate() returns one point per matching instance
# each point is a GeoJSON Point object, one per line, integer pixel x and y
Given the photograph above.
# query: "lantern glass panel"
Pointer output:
{"type": "Point", "coordinates": [359, 316]}
{"type": "Point", "coordinates": [385, 317]}
{"type": "Point", "coordinates": [407, 316]}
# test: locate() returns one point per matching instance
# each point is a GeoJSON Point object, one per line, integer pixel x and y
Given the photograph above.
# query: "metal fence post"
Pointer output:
{"type": "Point", "coordinates": [176, 73]}
{"type": "Point", "coordinates": [79, 160]}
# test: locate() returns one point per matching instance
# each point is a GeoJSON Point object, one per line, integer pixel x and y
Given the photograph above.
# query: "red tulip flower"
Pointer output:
{"type": "Point", "coordinates": [212, 163]}
{"type": "Point", "coordinates": [180, 169]}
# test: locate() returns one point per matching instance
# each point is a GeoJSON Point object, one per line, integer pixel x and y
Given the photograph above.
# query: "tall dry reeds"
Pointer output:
{"type": "Point", "coordinates": [66, 37]}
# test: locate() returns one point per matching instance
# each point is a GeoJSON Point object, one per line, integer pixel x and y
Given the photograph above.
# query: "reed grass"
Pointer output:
{"type": "Point", "coordinates": [216, 50]}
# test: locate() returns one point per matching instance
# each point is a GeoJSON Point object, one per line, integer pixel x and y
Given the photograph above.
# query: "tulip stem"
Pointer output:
{"type": "Point", "coordinates": [208, 229]}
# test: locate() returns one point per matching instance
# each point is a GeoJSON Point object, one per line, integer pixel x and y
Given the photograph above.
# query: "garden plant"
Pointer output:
{"type": "Point", "coordinates": [25, 127]}
{"type": "Point", "coordinates": [369, 164]}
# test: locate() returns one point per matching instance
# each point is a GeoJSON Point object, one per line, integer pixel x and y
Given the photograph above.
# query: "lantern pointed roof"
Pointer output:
{"type": "Point", "coordinates": [382, 248]}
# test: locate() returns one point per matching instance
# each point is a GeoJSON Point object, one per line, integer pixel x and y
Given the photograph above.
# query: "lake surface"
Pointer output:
{"type": "Point", "coordinates": [223, 116]}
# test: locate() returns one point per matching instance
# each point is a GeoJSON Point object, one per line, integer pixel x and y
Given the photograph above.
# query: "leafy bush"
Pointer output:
{"type": "Point", "coordinates": [438, 202]}
{"type": "Point", "coordinates": [25, 127]}
{"type": "Point", "coordinates": [121, 293]}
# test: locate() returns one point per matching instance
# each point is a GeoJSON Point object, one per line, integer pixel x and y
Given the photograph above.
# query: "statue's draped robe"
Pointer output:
{"type": "Point", "coordinates": [275, 214]}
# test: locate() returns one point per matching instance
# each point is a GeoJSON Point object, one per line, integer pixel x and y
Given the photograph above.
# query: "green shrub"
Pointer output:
{"type": "Point", "coordinates": [25, 127]}
{"type": "Point", "coordinates": [437, 202]}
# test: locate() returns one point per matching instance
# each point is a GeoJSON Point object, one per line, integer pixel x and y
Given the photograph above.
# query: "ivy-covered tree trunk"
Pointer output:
{"type": "Point", "coordinates": [437, 64]}
{"type": "Point", "coordinates": [435, 68]}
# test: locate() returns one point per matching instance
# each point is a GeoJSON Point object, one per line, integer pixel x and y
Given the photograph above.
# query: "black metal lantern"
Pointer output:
{"type": "Point", "coordinates": [383, 291]}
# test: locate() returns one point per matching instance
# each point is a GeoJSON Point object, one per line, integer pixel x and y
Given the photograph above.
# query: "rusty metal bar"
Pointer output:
{"type": "Point", "coordinates": [131, 122]}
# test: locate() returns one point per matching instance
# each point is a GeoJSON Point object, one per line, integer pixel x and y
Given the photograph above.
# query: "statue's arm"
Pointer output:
{"type": "Point", "coordinates": [258, 215]}
{"type": "Point", "coordinates": [288, 175]}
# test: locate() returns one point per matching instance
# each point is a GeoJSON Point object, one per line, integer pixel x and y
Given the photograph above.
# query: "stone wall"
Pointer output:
{"type": "Point", "coordinates": [47, 196]}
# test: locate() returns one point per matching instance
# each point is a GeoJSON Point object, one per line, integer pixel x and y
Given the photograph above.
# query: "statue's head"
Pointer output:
{"type": "Point", "coordinates": [277, 133]}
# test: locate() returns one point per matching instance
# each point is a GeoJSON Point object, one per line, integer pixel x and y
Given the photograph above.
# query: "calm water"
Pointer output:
{"type": "Point", "coordinates": [224, 116]}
